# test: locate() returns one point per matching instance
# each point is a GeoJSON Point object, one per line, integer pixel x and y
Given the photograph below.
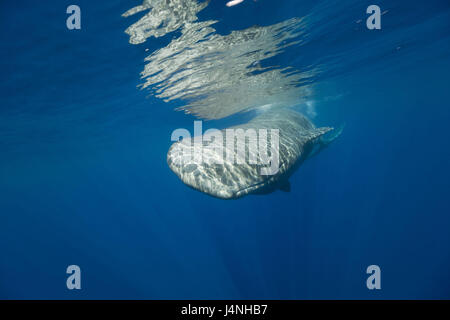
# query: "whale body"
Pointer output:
{"type": "Point", "coordinates": [298, 139]}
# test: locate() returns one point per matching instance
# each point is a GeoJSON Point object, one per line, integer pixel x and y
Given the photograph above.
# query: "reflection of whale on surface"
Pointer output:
{"type": "Point", "coordinates": [298, 140]}
{"type": "Point", "coordinates": [214, 76]}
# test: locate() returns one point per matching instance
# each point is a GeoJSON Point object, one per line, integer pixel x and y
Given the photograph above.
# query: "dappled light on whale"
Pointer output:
{"type": "Point", "coordinates": [214, 76]}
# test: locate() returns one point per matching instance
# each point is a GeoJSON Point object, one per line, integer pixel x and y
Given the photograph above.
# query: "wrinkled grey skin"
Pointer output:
{"type": "Point", "coordinates": [298, 140]}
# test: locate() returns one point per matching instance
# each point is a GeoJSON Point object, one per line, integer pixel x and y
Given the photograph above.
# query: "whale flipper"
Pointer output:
{"type": "Point", "coordinates": [286, 187]}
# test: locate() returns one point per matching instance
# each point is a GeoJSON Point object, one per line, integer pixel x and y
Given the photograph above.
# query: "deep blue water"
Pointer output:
{"type": "Point", "coordinates": [84, 179]}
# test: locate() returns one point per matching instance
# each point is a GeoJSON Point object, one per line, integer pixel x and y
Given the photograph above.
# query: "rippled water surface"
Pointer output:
{"type": "Point", "coordinates": [85, 123]}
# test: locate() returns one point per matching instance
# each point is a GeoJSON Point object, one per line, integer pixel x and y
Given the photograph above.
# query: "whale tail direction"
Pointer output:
{"type": "Point", "coordinates": [325, 140]}
{"type": "Point", "coordinates": [330, 136]}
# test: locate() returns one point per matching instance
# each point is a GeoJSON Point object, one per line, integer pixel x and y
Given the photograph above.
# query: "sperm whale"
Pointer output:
{"type": "Point", "coordinates": [298, 139]}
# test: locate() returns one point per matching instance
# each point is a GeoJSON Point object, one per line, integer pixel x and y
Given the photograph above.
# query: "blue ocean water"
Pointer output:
{"type": "Point", "coordinates": [84, 179]}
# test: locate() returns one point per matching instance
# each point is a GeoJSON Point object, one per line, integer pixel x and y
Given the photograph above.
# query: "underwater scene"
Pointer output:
{"type": "Point", "coordinates": [243, 149]}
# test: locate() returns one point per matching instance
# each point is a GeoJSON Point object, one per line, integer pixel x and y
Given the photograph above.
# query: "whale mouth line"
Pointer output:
{"type": "Point", "coordinates": [248, 189]}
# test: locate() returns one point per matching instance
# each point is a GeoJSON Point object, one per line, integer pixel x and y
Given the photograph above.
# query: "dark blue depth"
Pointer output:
{"type": "Point", "coordinates": [84, 179]}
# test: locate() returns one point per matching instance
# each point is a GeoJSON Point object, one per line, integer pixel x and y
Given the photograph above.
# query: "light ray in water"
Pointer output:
{"type": "Point", "coordinates": [213, 75]}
